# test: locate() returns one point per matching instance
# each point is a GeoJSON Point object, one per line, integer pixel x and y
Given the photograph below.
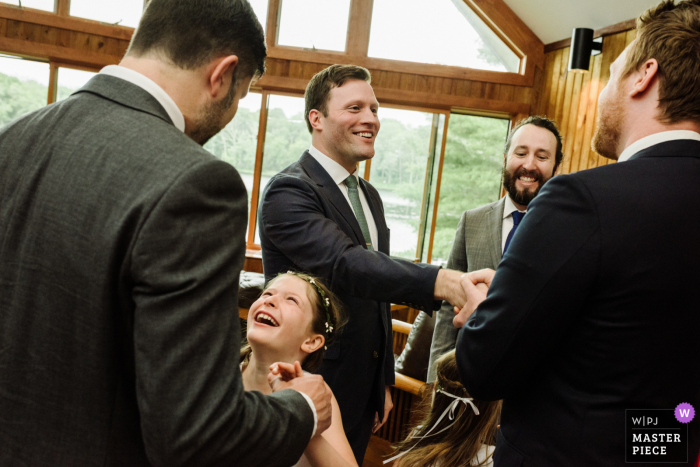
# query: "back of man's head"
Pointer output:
{"type": "Point", "coordinates": [319, 88]}
{"type": "Point", "coordinates": [542, 122]}
{"type": "Point", "coordinates": [670, 33]}
{"type": "Point", "coordinates": [191, 33]}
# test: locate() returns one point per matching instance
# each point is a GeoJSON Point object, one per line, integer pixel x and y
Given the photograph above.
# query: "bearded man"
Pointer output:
{"type": "Point", "coordinates": [592, 317]}
{"type": "Point", "coordinates": [532, 154]}
{"type": "Point", "coordinates": [121, 245]}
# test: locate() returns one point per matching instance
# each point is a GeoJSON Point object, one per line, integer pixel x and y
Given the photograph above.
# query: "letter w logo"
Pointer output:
{"type": "Point", "coordinates": [684, 413]}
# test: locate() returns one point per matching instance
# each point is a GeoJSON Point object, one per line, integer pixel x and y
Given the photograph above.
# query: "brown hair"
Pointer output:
{"type": "Point", "coordinates": [191, 33]}
{"type": "Point", "coordinates": [670, 34]}
{"type": "Point", "coordinates": [319, 87]}
{"type": "Point", "coordinates": [459, 444]}
{"type": "Point", "coordinates": [318, 323]}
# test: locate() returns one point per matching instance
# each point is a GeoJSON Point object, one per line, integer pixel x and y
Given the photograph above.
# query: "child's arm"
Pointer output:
{"type": "Point", "coordinates": [331, 448]}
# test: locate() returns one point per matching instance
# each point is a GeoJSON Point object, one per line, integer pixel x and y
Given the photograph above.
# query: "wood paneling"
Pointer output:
{"type": "Point", "coordinates": [571, 99]}
{"type": "Point", "coordinates": [622, 26]}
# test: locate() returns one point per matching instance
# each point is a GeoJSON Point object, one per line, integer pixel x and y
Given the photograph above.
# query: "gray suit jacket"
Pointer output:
{"type": "Point", "coordinates": [121, 243]}
{"type": "Point", "coordinates": [477, 246]}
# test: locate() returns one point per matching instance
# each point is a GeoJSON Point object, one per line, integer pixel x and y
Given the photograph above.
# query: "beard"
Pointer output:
{"type": "Point", "coordinates": [608, 130]}
{"type": "Point", "coordinates": [209, 122]}
{"type": "Point", "coordinates": [525, 196]}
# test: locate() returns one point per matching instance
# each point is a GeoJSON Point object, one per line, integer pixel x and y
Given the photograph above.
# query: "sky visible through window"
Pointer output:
{"type": "Point", "coordinates": [123, 12]}
{"type": "Point", "coordinates": [320, 24]}
{"type": "Point", "coordinates": [445, 34]}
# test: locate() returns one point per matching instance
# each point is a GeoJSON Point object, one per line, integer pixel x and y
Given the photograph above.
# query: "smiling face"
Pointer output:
{"type": "Point", "coordinates": [280, 320]}
{"type": "Point", "coordinates": [530, 163]}
{"type": "Point", "coordinates": [348, 132]}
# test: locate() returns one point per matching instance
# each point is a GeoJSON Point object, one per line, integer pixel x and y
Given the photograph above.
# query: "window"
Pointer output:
{"type": "Point", "coordinates": [70, 80]}
{"type": "Point", "coordinates": [260, 9]}
{"type": "Point", "coordinates": [314, 24]}
{"type": "Point", "coordinates": [46, 5]}
{"type": "Point", "coordinates": [447, 32]}
{"type": "Point", "coordinates": [237, 142]}
{"type": "Point", "coordinates": [471, 174]}
{"type": "Point", "coordinates": [121, 12]}
{"type": "Point", "coordinates": [24, 87]}
{"type": "Point", "coordinates": [286, 138]}
{"type": "Point", "coordinates": [398, 172]}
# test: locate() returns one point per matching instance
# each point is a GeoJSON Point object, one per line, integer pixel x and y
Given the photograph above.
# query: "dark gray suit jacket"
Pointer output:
{"type": "Point", "coordinates": [306, 224]}
{"type": "Point", "coordinates": [121, 243]}
{"type": "Point", "coordinates": [477, 246]}
{"type": "Point", "coordinates": [593, 310]}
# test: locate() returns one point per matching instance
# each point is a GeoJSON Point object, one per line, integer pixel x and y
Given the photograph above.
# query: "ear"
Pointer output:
{"type": "Point", "coordinates": [220, 72]}
{"type": "Point", "coordinates": [644, 77]}
{"type": "Point", "coordinates": [313, 343]}
{"type": "Point", "coordinates": [315, 119]}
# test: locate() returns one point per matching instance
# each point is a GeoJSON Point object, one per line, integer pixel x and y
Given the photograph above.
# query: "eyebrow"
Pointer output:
{"type": "Point", "coordinates": [525, 146]}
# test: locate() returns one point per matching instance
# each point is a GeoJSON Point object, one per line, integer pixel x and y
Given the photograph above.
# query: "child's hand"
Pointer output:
{"type": "Point", "coordinates": [285, 371]}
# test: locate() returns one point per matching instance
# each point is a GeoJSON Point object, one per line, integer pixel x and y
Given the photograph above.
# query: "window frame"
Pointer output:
{"type": "Point", "coordinates": [495, 14]}
{"type": "Point", "coordinates": [357, 44]}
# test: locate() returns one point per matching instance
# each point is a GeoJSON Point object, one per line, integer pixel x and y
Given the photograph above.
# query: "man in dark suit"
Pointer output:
{"type": "Point", "coordinates": [319, 217]}
{"type": "Point", "coordinates": [120, 249]}
{"type": "Point", "coordinates": [532, 154]}
{"type": "Point", "coordinates": [593, 310]}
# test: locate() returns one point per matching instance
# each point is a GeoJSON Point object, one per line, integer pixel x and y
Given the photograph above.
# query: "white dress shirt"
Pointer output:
{"type": "Point", "coordinates": [148, 85]}
{"type": "Point", "coordinates": [656, 138]}
{"type": "Point", "coordinates": [507, 226]}
{"type": "Point", "coordinates": [339, 174]}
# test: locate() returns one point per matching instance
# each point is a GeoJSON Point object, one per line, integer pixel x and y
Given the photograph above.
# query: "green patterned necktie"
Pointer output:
{"type": "Point", "coordinates": [351, 183]}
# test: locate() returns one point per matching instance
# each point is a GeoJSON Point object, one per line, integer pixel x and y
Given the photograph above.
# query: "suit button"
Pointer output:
{"type": "Point", "coordinates": [375, 354]}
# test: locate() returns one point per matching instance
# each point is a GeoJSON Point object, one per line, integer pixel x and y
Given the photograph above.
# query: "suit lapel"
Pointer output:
{"type": "Point", "coordinates": [332, 192]}
{"type": "Point", "coordinates": [378, 216]}
{"type": "Point", "coordinates": [495, 223]}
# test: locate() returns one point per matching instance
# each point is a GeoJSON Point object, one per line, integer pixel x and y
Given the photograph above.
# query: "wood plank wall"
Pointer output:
{"type": "Point", "coordinates": [571, 99]}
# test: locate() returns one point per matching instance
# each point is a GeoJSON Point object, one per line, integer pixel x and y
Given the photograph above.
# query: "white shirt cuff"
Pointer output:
{"type": "Point", "coordinates": [313, 409]}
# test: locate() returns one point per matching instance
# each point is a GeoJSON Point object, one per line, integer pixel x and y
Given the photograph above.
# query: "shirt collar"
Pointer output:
{"type": "Point", "coordinates": [148, 85]}
{"type": "Point", "coordinates": [509, 207]}
{"type": "Point", "coordinates": [654, 139]}
{"type": "Point", "coordinates": [335, 170]}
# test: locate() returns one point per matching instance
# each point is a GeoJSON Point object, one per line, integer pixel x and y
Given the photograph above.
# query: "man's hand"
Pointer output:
{"type": "Point", "coordinates": [476, 285]}
{"type": "Point", "coordinates": [311, 385]}
{"type": "Point", "coordinates": [388, 405]}
{"type": "Point", "coordinates": [447, 287]}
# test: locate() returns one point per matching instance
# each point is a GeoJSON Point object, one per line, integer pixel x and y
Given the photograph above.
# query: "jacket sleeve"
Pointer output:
{"type": "Point", "coordinates": [539, 289]}
{"type": "Point", "coordinates": [445, 334]}
{"type": "Point", "coordinates": [184, 266]}
{"type": "Point", "coordinates": [293, 220]}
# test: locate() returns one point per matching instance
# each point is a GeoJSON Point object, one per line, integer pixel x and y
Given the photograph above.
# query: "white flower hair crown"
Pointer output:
{"type": "Point", "coordinates": [325, 300]}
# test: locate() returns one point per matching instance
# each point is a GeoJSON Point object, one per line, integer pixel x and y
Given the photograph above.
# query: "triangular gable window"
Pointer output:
{"type": "Point", "coordinates": [444, 32]}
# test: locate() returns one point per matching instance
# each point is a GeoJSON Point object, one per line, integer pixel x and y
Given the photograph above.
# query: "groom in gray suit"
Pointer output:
{"type": "Point", "coordinates": [533, 152]}
{"type": "Point", "coordinates": [121, 243]}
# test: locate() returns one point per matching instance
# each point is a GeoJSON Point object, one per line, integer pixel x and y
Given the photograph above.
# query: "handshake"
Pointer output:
{"type": "Point", "coordinates": [463, 290]}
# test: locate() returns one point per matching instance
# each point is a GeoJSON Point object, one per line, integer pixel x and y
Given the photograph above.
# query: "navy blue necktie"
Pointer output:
{"type": "Point", "coordinates": [517, 217]}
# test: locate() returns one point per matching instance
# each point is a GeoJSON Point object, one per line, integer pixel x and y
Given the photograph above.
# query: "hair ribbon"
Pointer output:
{"type": "Point", "coordinates": [450, 411]}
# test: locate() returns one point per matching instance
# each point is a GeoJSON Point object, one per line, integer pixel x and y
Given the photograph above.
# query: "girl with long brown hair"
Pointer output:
{"type": "Point", "coordinates": [289, 327]}
{"type": "Point", "coordinates": [455, 429]}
